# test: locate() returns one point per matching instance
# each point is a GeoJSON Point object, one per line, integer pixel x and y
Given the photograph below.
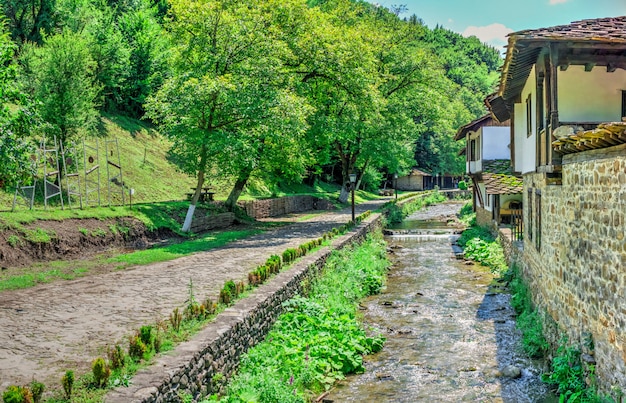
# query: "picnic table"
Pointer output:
{"type": "Point", "coordinates": [207, 194]}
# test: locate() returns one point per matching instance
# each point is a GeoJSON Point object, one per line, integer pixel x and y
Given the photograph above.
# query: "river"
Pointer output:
{"type": "Point", "coordinates": [450, 336]}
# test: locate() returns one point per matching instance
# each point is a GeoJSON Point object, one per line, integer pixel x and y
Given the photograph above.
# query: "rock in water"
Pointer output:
{"type": "Point", "coordinates": [511, 371]}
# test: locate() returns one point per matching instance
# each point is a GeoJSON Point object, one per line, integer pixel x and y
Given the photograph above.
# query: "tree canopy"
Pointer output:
{"type": "Point", "coordinates": [279, 89]}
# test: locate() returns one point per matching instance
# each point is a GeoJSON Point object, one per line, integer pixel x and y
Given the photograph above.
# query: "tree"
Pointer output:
{"type": "Point", "coordinates": [62, 76]}
{"type": "Point", "coordinates": [16, 120]}
{"type": "Point", "coordinates": [111, 56]}
{"type": "Point", "coordinates": [149, 53]}
{"type": "Point", "coordinates": [361, 72]}
{"type": "Point", "coordinates": [228, 106]}
{"type": "Point", "coordinates": [29, 19]}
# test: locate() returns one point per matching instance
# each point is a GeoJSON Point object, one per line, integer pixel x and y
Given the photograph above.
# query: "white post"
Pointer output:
{"type": "Point", "coordinates": [187, 224]}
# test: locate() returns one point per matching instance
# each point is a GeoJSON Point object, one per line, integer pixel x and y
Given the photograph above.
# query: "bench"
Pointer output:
{"type": "Point", "coordinates": [205, 195]}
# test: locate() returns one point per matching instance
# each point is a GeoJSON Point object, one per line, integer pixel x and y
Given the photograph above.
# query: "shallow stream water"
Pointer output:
{"type": "Point", "coordinates": [450, 336]}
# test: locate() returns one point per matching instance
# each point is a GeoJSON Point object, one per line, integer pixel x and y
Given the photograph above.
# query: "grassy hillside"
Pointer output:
{"type": "Point", "coordinates": [142, 152]}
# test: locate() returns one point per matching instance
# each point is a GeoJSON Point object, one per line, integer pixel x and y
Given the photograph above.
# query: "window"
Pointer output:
{"type": "Point", "coordinates": [540, 95]}
{"type": "Point", "coordinates": [529, 203]}
{"type": "Point", "coordinates": [473, 150]}
{"type": "Point", "coordinates": [624, 103]}
{"type": "Point", "coordinates": [538, 220]}
{"type": "Point", "coordinates": [529, 118]}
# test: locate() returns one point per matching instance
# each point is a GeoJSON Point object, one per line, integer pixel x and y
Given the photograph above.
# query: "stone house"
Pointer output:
{"type": "Point", "coordinates": [564, 90]}
{"type": "Point", "coordinates": [414, 180]}
{"type": "Point", "coordinates": [496, 191]}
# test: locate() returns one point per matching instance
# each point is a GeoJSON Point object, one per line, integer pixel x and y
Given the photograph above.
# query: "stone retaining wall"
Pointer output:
{"type": "Point", "coordinates": [284, 205]}
{"type": "Point", "coordinates": [209, 222]}
{"type": "Point", "coordinates": [576, 271]}
{"type": "Point", "coordinates": [192, 366]}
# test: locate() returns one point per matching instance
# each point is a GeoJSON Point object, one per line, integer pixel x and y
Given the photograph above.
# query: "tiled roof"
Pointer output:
{"type": "Point", "coordinates": [498, 178]}
{"type": "Point", "coordinates": [605, 135]}
{"type": "Point", "coordinates": [600, 29]}
{"type": "Point", "coordinates": [486, 120]}
{"type": "Point", "coordinates": [600, 41]}
{"type": "Point", "coordinates": [416, 171]}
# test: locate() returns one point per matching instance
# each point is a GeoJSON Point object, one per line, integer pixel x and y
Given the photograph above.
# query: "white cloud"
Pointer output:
{"type": "Point", "coordinates": [553, 2]}
{"type": "Point", "coordinates": [493, 34]}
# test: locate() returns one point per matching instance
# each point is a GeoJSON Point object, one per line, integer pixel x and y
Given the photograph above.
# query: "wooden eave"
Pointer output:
{"type": "Point", "coordinates": [598, 42]}
{"type": "Point", "coordinates": [483, 121]}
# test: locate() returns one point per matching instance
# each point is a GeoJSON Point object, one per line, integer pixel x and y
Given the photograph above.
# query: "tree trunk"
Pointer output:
{"type": "Point", "coordinates": [231, 202]}
{"type": "Point", "coordinates": [345, 192]}
{"type": "Point", "coordinates": [196, 194]}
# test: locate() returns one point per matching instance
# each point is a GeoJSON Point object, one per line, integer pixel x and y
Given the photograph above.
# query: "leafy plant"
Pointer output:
{"type": "Point", "coordinates": [68, 383]}
{"type": "Point", "coordinates": [101, 372]}
{"type": "Point", "coordinates": [228, 292]}
{"type": "Point", "coordinates": [116, 357]}
{"type": "Point", "coordinates": [37, 389]}
{"type": "Point", "coordinates": [317, 340]}
{"type": "Point", "coordinates": [467, 215]}
{"type": "Point", "coordinates": [146, 336]}
{"type": "Point", "coordinates": [136, 347]}
{"type": "Point", "coordinates": [176, 319]}
{"type": "Point", "coordinates": [17, 394]}
{"type": "Point", "coordinates": [568, 375]}
{"type": "Point", "coordinates": [528, 320]}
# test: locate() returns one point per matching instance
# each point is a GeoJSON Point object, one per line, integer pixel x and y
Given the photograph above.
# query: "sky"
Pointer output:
{"type": "Point", "coordinates": [492, 20]}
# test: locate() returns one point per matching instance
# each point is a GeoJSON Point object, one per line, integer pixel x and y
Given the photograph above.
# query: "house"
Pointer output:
{"type": "Point", "coordinates": [496, 191]}
{"type": "Point", "coordinates": [414, 180]}
{"type": "Point", "coordinates": [564, 90]}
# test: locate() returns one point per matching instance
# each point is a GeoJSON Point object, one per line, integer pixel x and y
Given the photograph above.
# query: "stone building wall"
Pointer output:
{"type": "Point", "coordinates": [577, 273]}
{"type": "Point", "coordinates": [284, 205]}
{"type": "Point", "coordinates": [192, 366]}
{"type": "Point", "coordinates": [483, 217]}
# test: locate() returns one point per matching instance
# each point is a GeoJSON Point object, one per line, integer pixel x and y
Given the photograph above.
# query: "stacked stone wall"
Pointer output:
{"type": "Point", "coordinates": [284, 205]}
{"type": "Point", "coordinates": [209, 222]}
{"type": "Point", "coordinates": [192, 367]}
{"type": "Point", "coordinates": [483, 217]}
{"type": "Point", "coordinates": [578, 272]}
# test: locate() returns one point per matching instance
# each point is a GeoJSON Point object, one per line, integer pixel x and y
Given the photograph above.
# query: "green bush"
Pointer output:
{"type": "Point", "coordinates": [101, 372]}
{"type": "Point", "coordinates": [116, 357]}
{"type": "Point", "coordinates": [146, 336]}
{"type": "Point", "coordinates": [568, 376]}
{"type": "Point", "coordinates": [68, 384]}
{"type": "Point", "coordinates": [136, 347]}
{"type": "Point", "coordinates": [17, 394]}
{"type": "Point", "coordinates": [228, 293]}
{"type": "Point", "coordinates": [462, 185]}
{"type": "Point", "coordinates": [37, 389]}
{"type": "Point", "coordinates": [317, 340]}
{"type": "Point", "coordinates": [529, 321]}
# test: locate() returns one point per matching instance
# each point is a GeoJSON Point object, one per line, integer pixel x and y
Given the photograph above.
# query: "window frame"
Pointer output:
{"type": "Point", "coordinates": [529, 115]}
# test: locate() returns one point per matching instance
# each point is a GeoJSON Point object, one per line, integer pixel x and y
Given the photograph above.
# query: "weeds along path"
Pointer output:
{"type": "Point", "coordinates": [51, 328]}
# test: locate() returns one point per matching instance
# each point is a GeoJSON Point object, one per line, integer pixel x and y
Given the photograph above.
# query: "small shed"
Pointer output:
{"type": "Point", "coordinates": [413, 181]}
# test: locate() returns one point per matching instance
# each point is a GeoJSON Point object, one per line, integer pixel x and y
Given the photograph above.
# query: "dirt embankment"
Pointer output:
{"type": "Point", "coordinates": [72, 239]}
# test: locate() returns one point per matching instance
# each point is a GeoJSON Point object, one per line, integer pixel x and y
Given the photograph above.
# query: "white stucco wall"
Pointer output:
{"type": "Point", "coordinates": [495, 144]}
{"type": "Point", "coordinates": [525, 147]}
{"type": "Point", "coordinates": [593, 96]}
{"type": "Point", "coordinates": [483, 192]}
{"type": "Point", "coordinates": [474, 166]}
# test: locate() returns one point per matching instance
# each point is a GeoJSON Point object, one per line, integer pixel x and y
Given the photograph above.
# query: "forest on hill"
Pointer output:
{"type": "Point", "coordinates": [280, 90]}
